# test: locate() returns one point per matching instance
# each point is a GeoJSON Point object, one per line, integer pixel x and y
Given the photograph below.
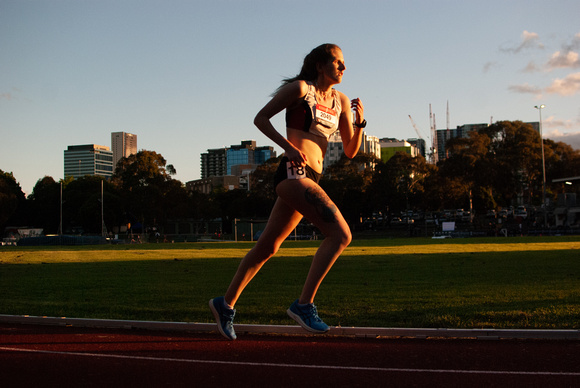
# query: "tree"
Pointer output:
{"type": "Point", "coordinates": [346, 182]}
{"type": "Point", "coordinates": [398, 184]}
{"type": "Point", "coordinates": [12, 201]}
{"type": "Point", "coordinates": [515, 153]}
{"type": "Point", "coordinates": [82, 209]}
{"type": "Point", "coordinates": [262, 190]}
{"type": "Point", "coordinates": [151, 196]}
{"type": "Point", "coordinates": [143, 169]}
{"type": "Point", "coordinates": [467, 172]}
{"type": "Point", "coordinates": [44, 204]}
{"type": "Point", "coordinates": [232, 204]}
{"type": "Point", "coordinates": [201, 206]}
{"type": "Point", "coordinates": [562, 161]}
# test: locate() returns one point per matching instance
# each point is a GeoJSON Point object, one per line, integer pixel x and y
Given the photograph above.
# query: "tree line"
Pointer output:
{"type": "Point", "coordinates": [497, 166]}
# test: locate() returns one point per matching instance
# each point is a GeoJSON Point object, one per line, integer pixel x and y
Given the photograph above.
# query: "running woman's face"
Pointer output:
{"type": "Point", "coordinates": [334, 69]}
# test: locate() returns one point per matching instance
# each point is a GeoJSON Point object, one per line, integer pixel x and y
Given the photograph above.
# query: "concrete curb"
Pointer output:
{"type": "Point", "coordinates": [363, 332]}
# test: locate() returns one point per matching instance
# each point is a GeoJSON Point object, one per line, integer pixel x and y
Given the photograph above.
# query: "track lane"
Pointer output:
{"type": "Point", "coordinates": [68, 356]}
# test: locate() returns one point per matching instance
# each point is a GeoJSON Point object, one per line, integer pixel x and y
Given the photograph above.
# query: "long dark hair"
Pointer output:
{"type": "Point", "coordinates": [320, 55]}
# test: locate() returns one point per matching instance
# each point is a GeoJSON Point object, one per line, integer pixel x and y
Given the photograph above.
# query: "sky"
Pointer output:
{"type": "Point", "coordinates": [188, 76]}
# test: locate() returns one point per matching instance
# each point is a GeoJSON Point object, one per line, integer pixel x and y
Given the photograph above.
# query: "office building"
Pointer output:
{"type": "Point", "coordinates": [123, 145]}
{"type": "Point", "coordinates": [88, 159]}
{"type": "Point", "coordinates": [247, 154]}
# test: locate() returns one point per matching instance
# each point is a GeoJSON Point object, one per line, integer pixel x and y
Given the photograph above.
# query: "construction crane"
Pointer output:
{"type": "Point", "coordinates": [434, 157]}
{"type": "Point", "coordinates": [416, 129]}
{"type": "Point", "coordinates": [419, 134]}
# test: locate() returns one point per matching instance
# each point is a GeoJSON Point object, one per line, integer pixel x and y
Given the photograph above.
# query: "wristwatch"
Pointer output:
{"type": "Point", "coordinates": [361, 125]}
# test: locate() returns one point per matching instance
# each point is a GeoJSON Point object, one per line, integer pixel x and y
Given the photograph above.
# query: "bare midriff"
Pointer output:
{"type": "Point", "coordinates": [314, 147]}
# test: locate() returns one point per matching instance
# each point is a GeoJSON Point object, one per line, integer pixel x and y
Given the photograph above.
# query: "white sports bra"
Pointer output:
{"type": "Point", "coordinates": [310, 116]}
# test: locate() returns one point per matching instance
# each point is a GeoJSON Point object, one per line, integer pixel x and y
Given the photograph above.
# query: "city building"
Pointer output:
{"type": "Point", "coordinates": [88, 159]}
{"type": "Point", "coordinates": [243, 172]}
{"type": "Point", "coordinates": [462, 131]}
{"type": "Point", "coordinates": [421, 146]}
{"type": "Point", "coordinates": [247, 153]}
{"type": "Point", "coordinates": [214, 163]}
{"type": "Point", "coordinates": [334, 150]}
{"type": "Point", "coordinates": [207, 185]}
{"type": "Point", "coordinates": [389, 147]}
{"type": "Point", "coordinates": [371, 145]}
{"type": "Point", "coordinates": [123, 145]}
{"type": "Point", "coordinates": [236, 161]}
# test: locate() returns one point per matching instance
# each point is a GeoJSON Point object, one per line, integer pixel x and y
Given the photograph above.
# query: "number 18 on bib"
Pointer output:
{"type": "Point", "coordinates": [295, 172]}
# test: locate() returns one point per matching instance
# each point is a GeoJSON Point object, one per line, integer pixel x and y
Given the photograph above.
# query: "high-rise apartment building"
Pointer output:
{"type": "Point", "coordinates": [88, 159]}
{"type": "Point", "coordinates": [219, 161]}
{"type": "Point", "coordinates": [123, 144]}
{"type": "Point", "coordinates": [214, 163]}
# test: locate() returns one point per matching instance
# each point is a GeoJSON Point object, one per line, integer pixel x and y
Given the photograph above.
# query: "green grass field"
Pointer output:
{"type": "Point", "coordinates": [460, 283]}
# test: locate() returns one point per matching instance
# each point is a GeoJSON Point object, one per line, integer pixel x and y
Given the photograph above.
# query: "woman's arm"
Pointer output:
{"type": "Point", "coordinates": [351, 138]}
{"type": "Point", "coordinates": [284, 98]}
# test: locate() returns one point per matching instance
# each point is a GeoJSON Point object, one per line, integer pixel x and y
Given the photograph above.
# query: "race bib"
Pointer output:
{"type": "Point", "coordinates": [295, 172]}
{"type": "Point", "coordinates": [326, 116]}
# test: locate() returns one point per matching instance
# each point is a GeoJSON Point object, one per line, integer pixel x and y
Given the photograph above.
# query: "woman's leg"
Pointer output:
{"type": "Point", "coordinates": [283, 219]}
{"type": "Point", "coordinates": [308, 198]}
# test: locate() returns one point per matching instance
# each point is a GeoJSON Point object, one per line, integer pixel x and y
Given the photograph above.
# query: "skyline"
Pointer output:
{"type": "Point", "coordinates": [187, 76]}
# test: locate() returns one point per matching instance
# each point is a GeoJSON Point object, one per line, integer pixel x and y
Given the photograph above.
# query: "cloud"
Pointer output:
{"type": "Point", "coordinates": [552, 122]}
{"type": "Point", "coordinates": [531, 68]}
{"type": "Point", "coordinates": [567, 57]}
{"type": "Point", "coordinates": [573, 139]}
{"type": "Point", "coordinates": [567, 86]}
{"type": "Point", "coordinates": [488, 66]}
{"type": "Point", "coordinates": [530, 40]}
{"type": "Point", "coordinates": [525, 88]}
{"type": "Point", "coordinates": [11, 95]}
{"type": "Point", "coordinates": [574, 45]}
{"type": "Point", "coordinates": [560, 59]}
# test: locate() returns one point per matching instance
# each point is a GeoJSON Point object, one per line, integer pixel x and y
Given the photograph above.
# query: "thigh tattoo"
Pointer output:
{"type": "Point", "coordinates": [324, 206]}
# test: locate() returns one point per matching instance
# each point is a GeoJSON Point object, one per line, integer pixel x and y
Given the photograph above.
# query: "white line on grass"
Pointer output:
{"type": "Point", "coordinates": [269, 364]}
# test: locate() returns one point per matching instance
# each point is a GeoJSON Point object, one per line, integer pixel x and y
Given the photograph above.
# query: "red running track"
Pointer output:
{"type": "Point", "coordinates": [50, 356]}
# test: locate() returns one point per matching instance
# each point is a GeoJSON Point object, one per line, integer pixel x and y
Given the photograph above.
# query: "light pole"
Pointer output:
{"type": "Point", "coordinates": [60, 225]}
{"type": "Point", "coordinates": [103, 227]}
{"type": "Point", "coordinates": [539, 108]}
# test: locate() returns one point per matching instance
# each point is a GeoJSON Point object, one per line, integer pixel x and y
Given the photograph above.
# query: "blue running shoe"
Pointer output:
{"type": "Point", "coordinates": [307, 317]}
{"type": "Point", "coordinates": [224, 317]}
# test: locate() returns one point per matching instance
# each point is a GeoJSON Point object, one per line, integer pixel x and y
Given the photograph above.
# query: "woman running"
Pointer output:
{"type": "Point", "coordinates": [314, 111]}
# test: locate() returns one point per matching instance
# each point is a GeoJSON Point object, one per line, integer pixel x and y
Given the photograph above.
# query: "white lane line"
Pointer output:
{"type": "Point", "coordinates": [269, 364]}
